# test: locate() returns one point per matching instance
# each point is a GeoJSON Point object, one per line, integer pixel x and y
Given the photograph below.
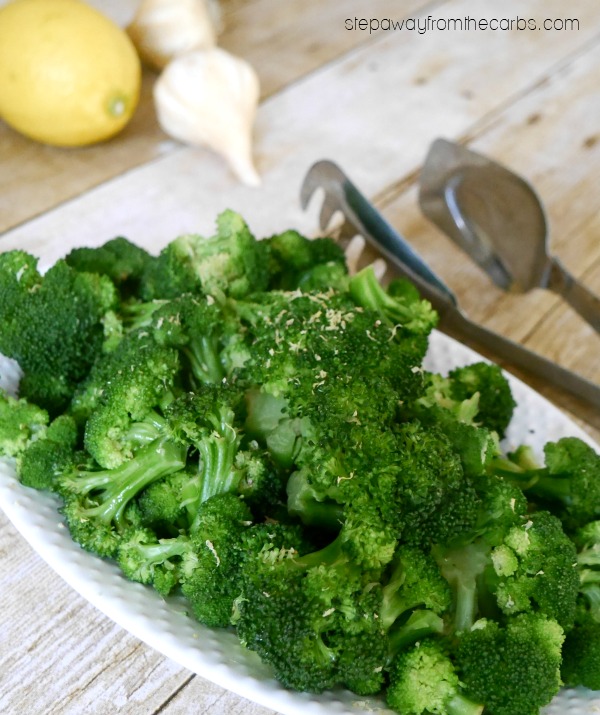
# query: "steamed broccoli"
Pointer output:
{"type": "Point", "coordinates": [149, 560]}
{"type": "Point", "coordinates": [460, 416]}
{"type": "Point", "coordinates": [526, 567]}
{"type": "Point", "coordinates": [400, 306]}
{"type": "Point", "coordinates": [568, 484]}
{"type": "Point", "coordinates": [20, 424]}
{"type": "Point", "coordinates": [51, 325]}
{"type": "Point", "coordinates": [581, 651]}
{"type": "Point", "coordinates": [119, 259]}
{"type": "Point", "coordinates": [312, 617]}
{"type": "Point", "coordinates": [320, 620]}
{"type": "Point", "coordinates": [45, 459]}
{"type": "Point", "coordinates": [581, 655]}
{"type": "Point", "coordinates": [97, 500]}
{"type": "Point", "coordinates": [424, 680]}
{"type": "Point", "coordinates": [587, 541]}
{"type": "Point", "coordinates": [514, 669]}
{"type": "Point", "coordinates": [127, 406]}
{"type": "Point", "coordinates": [232, 263]}
{"type": "Point", "coordinates": [244, 425]}
{"type": "Point", "coordinates": [298, 262]}
{"type": "Point", "coordinates": [206, 335]}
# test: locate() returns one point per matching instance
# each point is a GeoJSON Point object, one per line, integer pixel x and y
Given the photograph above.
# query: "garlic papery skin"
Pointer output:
{"type": "Point", "coordinates": [164, 29]}
{"type": "Point", "coordinates": [209, 98]}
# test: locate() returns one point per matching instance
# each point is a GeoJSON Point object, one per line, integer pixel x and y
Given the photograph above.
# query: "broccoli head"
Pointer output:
{"type": "Point", "coordinates": [21, 423]}
{"type": "Point", "coordinates": [423, 680]}
{"type": "Point", "coordinates": [232, 262]}
{"type": "Point", "coordinates": [119, 259]}
{"type": "Point", "coordinates": [309, 264]}
{"type": "Point", "coordinates": [52, 325]}
{"type": "Point", "coordinates": [45, 459]}
{"type": "Point", "coordinates": [513, 669]}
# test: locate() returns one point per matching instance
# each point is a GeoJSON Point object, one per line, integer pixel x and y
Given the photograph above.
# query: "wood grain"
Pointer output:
{"type": "Point", "coordinates": [373, 104]}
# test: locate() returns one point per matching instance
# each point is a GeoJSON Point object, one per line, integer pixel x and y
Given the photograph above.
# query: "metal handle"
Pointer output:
{"type": "Point", "coordinates": [580, 298]}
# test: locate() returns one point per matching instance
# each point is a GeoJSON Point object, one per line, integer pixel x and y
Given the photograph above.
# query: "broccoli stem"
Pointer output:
{"type": "Point", "coordinates": [155, 554]}
{"type": "Point", "coordinates": [205, 364]}
{"type": "Point", "coordinates": [368, 292]}
{"type": "Point", "coordinates": [217, 473]}
{"type": "Point", "coordinates": [462, 567]}
{"type": "Point", "coordinates": [555, 487]}
{"type": "Point", "coordinates": [303, 502]}
{"type": "Point", "coordinates": [136, 314]}
{"type": "Point", "coordinates": [421, 624]}
{"type": "Point", "coordinates": [461, 705]}
{"type": "Point", "coordinates": [590, 588]}
{"type": "Point", "coordinates": [329, 555]}
{"type": "Point", "coordinates": [589, 556]}
{"type": "Point", "coordinates": [393, 605]}
{"type": "Point", "coordinates": [146, 431]}
{"type": "Point", "coordinates": [122, 484]}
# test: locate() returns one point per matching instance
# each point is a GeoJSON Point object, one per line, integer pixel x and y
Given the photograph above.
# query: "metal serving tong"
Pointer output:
{"type": "Point", "coordinates": [360, 217]}
{"type": "Point", "coordinates": [497, 218]}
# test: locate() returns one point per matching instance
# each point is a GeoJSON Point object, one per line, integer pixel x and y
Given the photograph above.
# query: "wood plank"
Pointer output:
{"type": "Point", "coordinates": [201, 696]}
{"type": "Point", "coordinates": [286, 41]}
{"type": "Point", "coordinates": [277, 39]}
{"type": "Point", "coordinates": [72, 659]}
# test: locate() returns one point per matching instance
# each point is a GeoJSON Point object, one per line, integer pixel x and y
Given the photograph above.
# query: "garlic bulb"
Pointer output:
{"type": "Point", "coordinates": [164, 29]}
{"type": "Point", "coordinates": [209, 98]}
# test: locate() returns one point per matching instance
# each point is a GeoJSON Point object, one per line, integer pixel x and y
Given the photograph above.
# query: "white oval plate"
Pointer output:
{"type": "Point", "coordinates": [216, 654]}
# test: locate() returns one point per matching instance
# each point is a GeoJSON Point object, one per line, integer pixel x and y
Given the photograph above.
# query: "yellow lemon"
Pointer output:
{"type": "Point", "coordinates": [68, 75]}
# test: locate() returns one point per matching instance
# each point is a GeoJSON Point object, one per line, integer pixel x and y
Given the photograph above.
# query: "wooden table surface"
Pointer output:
{"type": "Point", "coordinates": [373, 102]}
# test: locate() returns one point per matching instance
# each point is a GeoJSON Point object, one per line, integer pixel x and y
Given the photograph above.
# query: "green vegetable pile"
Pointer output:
{"type": "Point", "coordinates": [244, 423]}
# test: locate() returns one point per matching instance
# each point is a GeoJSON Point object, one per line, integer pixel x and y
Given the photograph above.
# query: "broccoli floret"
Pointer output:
{"type": "Point", "coordinates": [309, 264]}
{"type": "Point", "coordinates": [401, 306]}
{"type": "Point", "coordinates": [321, 620]}
{"type": "Point", "coordinates": [458, 419]}
{"type": "Point", "coordinates": [533, 569]}
{"type": "Point", "coordinates": [495, 405]}
{"type": "Point", "coordinates": [51, 325]}
{"type": "Point", "coordinates": [587, 541]}
{"type": "Point", "coordinates": [210, 573]}
{"type": "Point", "coordinates": [207, 421]}
{"type": "Point", "coordinates": [581, 651]}
{"type": "Point", "coordinates": [384, 486]}
{"type": "Point", "coordinates": [415, 589]}
{"type": "Point", "coordinates": [146, 559]}
{"type": "Point", "coordinates": [119, 259]}
{"type": "Point", "coordinates": [130, 391]}
{"type": "Point", "coordinates": [21, 423]}
{"type": "Point", "coordinates": [45, 459]}
{"type": "Point", "coordinates": [97, 500]}
{"type": "Point", "coordinates": [262, 485]}
{"type": "Point", "coordinates": [231, 263]}
{"type": "Point", "coordinates": [568, 484]}
{"type": "Point", "coordinates": [423, 680]}
{"type": "Point", "coordinates": [207, 336]}
{"type": "Point", "coordinates": [581, 655]}
{"type": "Point", "coordinates": [510, 563]}
{"type": "Point", "coordinates": [312, 618]}
{"type": "Point", "coordinates": [512, 669]}
{"type": "Point", "coordinates": [167, 506]}
{"type": "Point", "coordinates": [572, 480]}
